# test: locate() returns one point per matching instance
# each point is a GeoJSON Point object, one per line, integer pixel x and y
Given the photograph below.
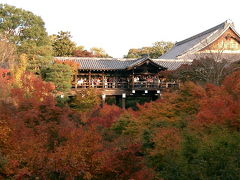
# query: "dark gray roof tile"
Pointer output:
{"type": "Point", "coordinates": [99, 63]}
{"type": "Point", "coordinates": [120, 64]}
{"type": "Point", "coordinates": [171, 64]}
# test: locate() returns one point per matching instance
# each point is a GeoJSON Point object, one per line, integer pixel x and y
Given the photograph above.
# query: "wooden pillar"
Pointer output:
{"type": "Point", "coordinates": [114, 82]}
{"type": "Point", "coordinates": [124, 103]}
{"type": "Point", "coordinates": [103, 99]}
{"type": "Point", "coordinates": [158, 93]}
{"type": "Point", "coordinates": [124, 100]}
{"type": "Point", "coordinates": [89, 79]}
{"type": "Point", "coordinates": [133, 79]}
{"type": "Point", "coordinates": [103, 80]}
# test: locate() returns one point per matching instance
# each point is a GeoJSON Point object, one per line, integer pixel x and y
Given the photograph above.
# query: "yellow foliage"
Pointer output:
{"type": "Point", "coordinates": [86, 101]}
{"type": "Point", "coordinates": [20, 69]}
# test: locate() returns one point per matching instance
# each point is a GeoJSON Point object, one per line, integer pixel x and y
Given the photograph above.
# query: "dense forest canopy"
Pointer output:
{"type": "Point", "coordinates": [189, 133]}
{"type": "Point", "coordinates": [176, 137]}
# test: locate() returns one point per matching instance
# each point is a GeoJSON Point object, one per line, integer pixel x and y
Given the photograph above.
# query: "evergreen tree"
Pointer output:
{"type": "Point", "coordinates": [60, 75]}
{"type": "Point", "coordinates": [62, 44]}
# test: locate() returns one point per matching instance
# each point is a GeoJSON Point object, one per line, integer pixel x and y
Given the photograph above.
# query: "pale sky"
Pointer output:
{"type": "Point", "coordinates": [118, 25]}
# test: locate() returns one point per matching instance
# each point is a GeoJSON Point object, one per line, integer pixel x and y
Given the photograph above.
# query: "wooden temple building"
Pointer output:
{"type": "Point", "coordinates": [143, 77]}
{"type": "Point", "coordinates": [123, 77]}
{"type": "Point", "coordinates": [219, 42]}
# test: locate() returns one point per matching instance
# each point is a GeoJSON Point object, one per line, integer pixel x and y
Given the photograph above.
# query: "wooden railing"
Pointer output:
{"type": "Point", "coordinates": [145, 85]}
{"type": "Point", "coordinates": [126, 85]}
{"type": "Point", "coordinates": [121, 85]}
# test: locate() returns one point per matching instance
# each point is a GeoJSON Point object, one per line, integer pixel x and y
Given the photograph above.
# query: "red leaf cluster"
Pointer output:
{"type": "Point", "coordinates": [106, 115]}
{"type": "Point", "coordinates": [82, 53]}
{"type": "Point", "coordinates": [221, 105]}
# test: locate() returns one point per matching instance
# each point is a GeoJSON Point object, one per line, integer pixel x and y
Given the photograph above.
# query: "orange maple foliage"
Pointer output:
{"type": "Point", "coordinates": [35, 124]}
{"type": "Point", "coordinates": [82, 155]}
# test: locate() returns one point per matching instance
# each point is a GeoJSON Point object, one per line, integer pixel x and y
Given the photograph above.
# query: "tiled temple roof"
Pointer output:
{"type": "Point", "coordinates": [172, 64]}
{"type": "Point", "coordinates": [184, 49]}
{"type": "Point", "coordinates": [100, 63]}
{"type": "Point", "coordinates": [120, 64]}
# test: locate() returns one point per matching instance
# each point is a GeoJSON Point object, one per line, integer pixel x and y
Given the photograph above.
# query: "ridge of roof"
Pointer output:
{"type": "Point", "coordinates": [141, 60]}
{"type": "Point", "coordinates": [222, 25]}
{"type": "Point", "coordinates": [172, 60]}
{"type": "Point", "coordinates": [231, 25]}
{"type": "Point", "coordinates": [94, 58]}
{"type": "Point", "coordinates": [120, 64]}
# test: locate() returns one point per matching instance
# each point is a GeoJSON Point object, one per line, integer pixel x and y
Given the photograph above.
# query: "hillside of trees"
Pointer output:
{"type": "Point", "coordinates": [192, 133]}
{"type": "Point", "coordinates": [189, 133]}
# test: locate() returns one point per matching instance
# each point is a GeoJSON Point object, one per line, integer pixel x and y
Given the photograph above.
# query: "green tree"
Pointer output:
{"type": "Point", "coordinates": [158, 48]}
{"type": "Point", "coordinates": [62, 44]}
{"type": "Point", "coordinates": [27, 32]}
{"type": "Point", "coordinates": [211, 155]}
{"type": "Point", "coordinates": [99, 52]}
{"type": "Point", "coordinates": [60, 75]}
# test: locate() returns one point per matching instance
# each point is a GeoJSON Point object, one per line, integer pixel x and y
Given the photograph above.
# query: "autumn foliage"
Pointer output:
{"type": "Point", "coordinates": [192, 133]}
{"type": "Point", "coordinates": [82, 53]}
{"type": "Point", "coordinates": [41, 140]}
